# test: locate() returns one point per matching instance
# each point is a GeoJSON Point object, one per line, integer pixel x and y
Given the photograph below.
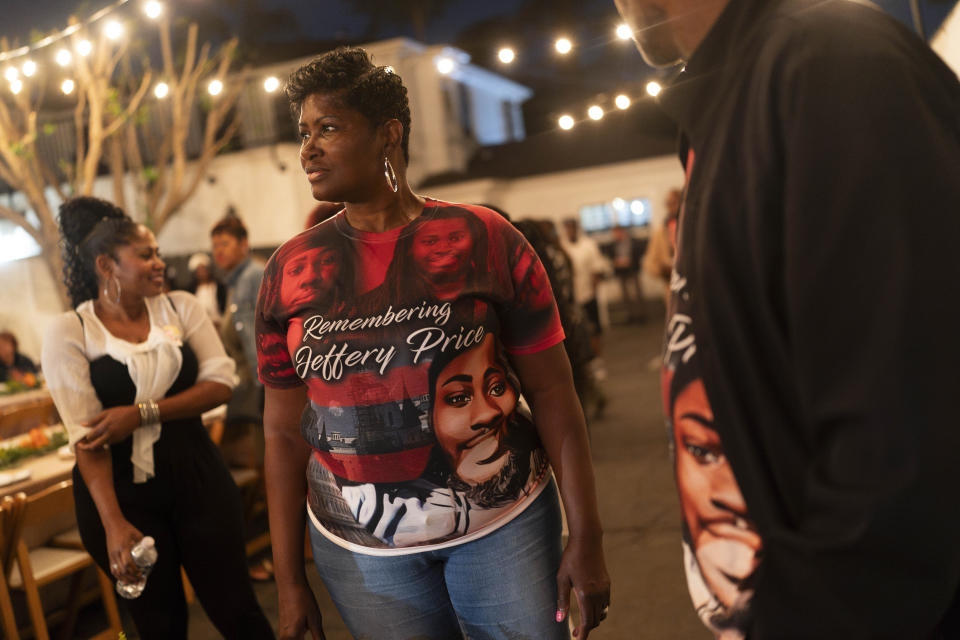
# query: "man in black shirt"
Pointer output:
{"type": "Point", "coordinates": [811, 344]}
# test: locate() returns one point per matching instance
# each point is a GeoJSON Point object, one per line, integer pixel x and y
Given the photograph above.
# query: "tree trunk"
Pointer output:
{"type": "Point", "coordinates": [54, 262]}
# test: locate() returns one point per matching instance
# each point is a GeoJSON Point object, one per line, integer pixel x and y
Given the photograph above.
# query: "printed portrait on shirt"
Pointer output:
{"type": "Point", "coordinates": [418, 428]}
{"type": "Point", "coordinates": [722, 548]}
{"type": "Point", "coordinates": [486, 456]}
{"type": "Point", "coordinates": [484, 439]}
{"type": "Point", "coordinates": [438, 258]}
{"type": "Point", "coordinates": [312, 272]}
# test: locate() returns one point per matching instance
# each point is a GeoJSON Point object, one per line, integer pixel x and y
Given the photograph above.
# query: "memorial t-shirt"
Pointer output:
{"type": "Point", "coordinates": [420, 436]}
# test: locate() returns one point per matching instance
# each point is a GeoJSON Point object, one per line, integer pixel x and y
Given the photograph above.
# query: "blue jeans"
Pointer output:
{"type": "Point", "coordinates": [502, 585]}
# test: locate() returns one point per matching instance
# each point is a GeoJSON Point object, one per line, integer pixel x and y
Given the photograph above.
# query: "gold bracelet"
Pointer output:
{"type": "Point", "coordinates": [149, 412]}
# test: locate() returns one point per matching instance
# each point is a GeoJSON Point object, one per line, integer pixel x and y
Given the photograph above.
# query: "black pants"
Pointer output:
{"type": "Point", "coordinates": [192, 508]}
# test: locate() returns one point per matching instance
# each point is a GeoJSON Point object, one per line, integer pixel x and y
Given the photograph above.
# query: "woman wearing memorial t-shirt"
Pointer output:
{"type": "Point", "coordinates": [364, 368]}
{"type": "Point", "coordinates": [131, 370]}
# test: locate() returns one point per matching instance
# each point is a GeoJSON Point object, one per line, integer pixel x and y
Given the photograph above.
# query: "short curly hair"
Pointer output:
{"type": "Point", "coordinates": [375, 92]}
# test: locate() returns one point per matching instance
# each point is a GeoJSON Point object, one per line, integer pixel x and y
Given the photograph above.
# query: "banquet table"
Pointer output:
{"type": "Point", "coordinates": [50, 468]}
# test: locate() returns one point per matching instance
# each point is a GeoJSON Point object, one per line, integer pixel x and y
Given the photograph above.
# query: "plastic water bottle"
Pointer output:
{"type": "Point", "coordinates": [144, 555]}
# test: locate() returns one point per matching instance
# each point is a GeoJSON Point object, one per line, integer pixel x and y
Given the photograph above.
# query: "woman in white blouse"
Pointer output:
{"type": "Point", "coordinates": [131, 370]}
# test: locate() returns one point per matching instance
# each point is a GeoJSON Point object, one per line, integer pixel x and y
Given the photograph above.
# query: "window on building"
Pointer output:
{"type": "Point", "coordinates": [619, 212]}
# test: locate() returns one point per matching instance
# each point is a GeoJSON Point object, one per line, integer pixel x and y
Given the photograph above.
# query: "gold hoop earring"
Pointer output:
{"type": "Point", "coordinates": [391, 175]}
{"type": "Point", "coordinates": [106, 289]}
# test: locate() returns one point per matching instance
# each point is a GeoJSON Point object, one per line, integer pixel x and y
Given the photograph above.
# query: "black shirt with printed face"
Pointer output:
{"type": "Point", "coordinates": [817, 260]}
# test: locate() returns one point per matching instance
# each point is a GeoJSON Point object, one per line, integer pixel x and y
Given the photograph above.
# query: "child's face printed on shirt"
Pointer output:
{"type": "Point", "coordinates": [442, 249]}
{"type": "Point", "coordinates": [472, 401]}
{"type": "Point", "coordinates": [725, 542]}
{"type": "Point", "coordinates": [310, 276]}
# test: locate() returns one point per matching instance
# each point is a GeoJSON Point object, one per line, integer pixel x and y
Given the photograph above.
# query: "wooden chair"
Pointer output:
{"type": "Point", "coordinates": [45, 515]}
{"type": "Point", "coordinates": [11, 519]}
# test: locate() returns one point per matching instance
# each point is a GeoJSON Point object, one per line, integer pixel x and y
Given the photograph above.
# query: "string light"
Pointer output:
{"type": "Point", "coordinates": [113, 30]}
{"type": "Point", "coordinates": [153, 9]}
{"type": "Point", "coordinates": [446, 65]}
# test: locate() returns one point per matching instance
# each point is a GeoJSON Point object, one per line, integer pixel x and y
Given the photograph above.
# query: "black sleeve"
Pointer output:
{"type": "Point", "coordinates": [871, 151]}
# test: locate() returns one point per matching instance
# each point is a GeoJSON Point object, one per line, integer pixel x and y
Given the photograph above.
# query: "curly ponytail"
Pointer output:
{"type": "Point", "coordinates": [90, 227]}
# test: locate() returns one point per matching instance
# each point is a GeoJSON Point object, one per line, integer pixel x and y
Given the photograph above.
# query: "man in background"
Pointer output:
{"type": "Point", "coordinates": [813, 300]}
{"type": "Point", "coordinates": [589, 268]}
{"type": "Point", "coordinates": [625, 253]}
{"type": "Point", "coordinates": [242, 444]}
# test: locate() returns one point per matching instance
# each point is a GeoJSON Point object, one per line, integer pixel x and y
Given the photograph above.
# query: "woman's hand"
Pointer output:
{"type": "Point", "coordinates": [299, 613]}
{"type": "Point", "coordinates": [110, 426]}
{"type": "Point", "coordinates": [121, 536]}
{"type": "Point", "coordinates": [583, 568]}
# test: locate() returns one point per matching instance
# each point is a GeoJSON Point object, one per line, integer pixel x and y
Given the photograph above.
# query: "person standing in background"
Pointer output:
{"type": "Point", "coordinates": [589, 268]}
{"type": "Point", "coordinates": [625, 252]}
{"type": "Point", "coordinates": [210, 293]}
{"type": "Point", "coordinates": [131, 369]}
{"type": "Point", "coordinates": [811, 340]}
{"type": "Point", "coordinates": [658, 259]}
{"type": "Point", "coordinates": [242, 443]}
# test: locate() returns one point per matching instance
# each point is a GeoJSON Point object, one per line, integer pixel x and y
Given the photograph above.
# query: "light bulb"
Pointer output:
{"type": "Point", "coordinates": [153, 9]}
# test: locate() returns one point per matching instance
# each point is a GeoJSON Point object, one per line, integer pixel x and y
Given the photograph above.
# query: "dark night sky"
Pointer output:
{"type": "Point", "coordinates": [602, 64]}
{"type": "Point", "coordinates": [327, 19]}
